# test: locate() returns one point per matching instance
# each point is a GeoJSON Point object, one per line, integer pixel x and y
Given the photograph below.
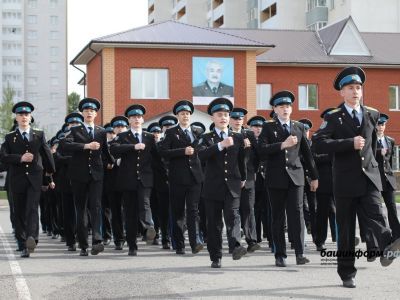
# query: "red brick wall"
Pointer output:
{"type": "Point", "coordinates": [376, 92]}
{"type": "Point", "coordinates": [93, 79]}
{"type": "Point", "coordinates": [179, 63]}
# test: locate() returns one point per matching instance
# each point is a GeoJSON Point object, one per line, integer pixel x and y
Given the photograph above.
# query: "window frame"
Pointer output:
{"type": "Point", "coordinates": [307, 96]}
{"type": "Point", "coordinates": [258, 86]}
{"type": "Point", "coordinates": [397, 86]}
{"type": "Point", "coordinates": [155, 83]}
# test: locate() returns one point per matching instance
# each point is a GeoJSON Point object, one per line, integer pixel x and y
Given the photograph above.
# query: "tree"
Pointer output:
{"type": "Point", "coordinates": [6, 117]}
{"type": "Point", "coordinates": [73, 100]}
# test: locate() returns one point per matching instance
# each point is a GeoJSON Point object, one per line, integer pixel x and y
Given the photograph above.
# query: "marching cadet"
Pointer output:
{"type": "Point", "coordinates": [247, 197]}
{"type": "Point", "coordinates": [282, 141]}
{"type": "Point", "coordinates": [384, 156]}
{"type": "Point", "coordinates": [185, 177]}
{"type": "Point", "coordinates": [349, 132]}
{"type": "Point", "coordinates": [67, 199]}
{"type": "Point", "coordinates": [27, 156]}
{"type": "Point", "coordinates": [118, 124]}
{"type": "Point", "coordinates": [309, 196]}
{"type": "Point", "coordinates": [136, 148]}
{"type": "Point", "coordinates": [225, 175]}
{"type": "Point", "coordinates": [167, 122]}
{"type": "Point", "coordinates": [262, 205]}
{"type": "Point", "coordinates": [324, 196]}
{"type": "Point", "coordinates": [160, 193]}
{"type": "Point", "coordinates": [88, 145]}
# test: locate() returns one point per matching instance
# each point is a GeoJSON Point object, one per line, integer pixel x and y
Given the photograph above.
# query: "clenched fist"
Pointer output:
{"type": "Point", "coordinates": [189, 150]}
{"type": "Point", "coordinates": [227, 142]}
{"type": "Point", "coordinates": [359, 142]}
{"type": "Point", "coordinates": [27, 157]}
{"type": "Point", "coordinates": [290, 141]}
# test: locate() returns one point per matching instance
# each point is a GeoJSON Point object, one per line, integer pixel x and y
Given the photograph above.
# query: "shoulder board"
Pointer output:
{"type": "Point", "coordinates": [270, 121]}
{"type": "Point", "coordinates": [98, 127]}
{"type": "Point", "coordinates": [37, 129]}
{"type": "Point", "coordinates": [370, 108]}
{"type": "Point", "coordinates": [333, 111]}
{"type": "Point", "coordinates": [65, 135]}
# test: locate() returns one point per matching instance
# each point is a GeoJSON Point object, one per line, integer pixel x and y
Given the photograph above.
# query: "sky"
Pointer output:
{"type": "Point", "coordinates": [90, 19]}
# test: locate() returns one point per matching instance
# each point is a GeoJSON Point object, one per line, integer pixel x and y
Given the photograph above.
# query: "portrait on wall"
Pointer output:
{"type": "Point", "coordinates": [212, 77]}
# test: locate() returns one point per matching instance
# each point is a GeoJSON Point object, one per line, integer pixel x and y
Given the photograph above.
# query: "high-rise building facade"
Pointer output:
{"type": "Point", "coordinates": [34, 56]}
{"type": "Point", "coordinates": [369, 15]}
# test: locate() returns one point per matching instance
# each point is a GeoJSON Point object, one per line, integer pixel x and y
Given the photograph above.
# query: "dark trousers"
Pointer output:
{"type": "Point", "coordinates": [247, 217]}
{"type": "Point", "coordinates": [203, 219]}
{"type": "Point", "coordinates": [369, 210]}
{"type": "Point", "coordinates": [26, 208]}
{"type": "Point", "coordinates": [390, 202]}
{"type": "Point", "coordinates": [325, 205]}
{"type": "Point", "coordinates": [88, 194]}
{"type": "Point", "coordinates": [56, 220]}
{"type": "Point", "coordinates": [229, 207]}
{"type": "Point", "coordinates": [310, 199]}
{"type": "Point", "coordinates": [117, 218]}
{"type": "Point", "coordinates": [290, 199]}
{"type": "Point", "coordinates": [11, 205]}
{"type": "Point", "coordinates": [179, 196]}
{"type": "Point", "coordinates": [132, 208]}
{"type": "Point", "coordinates": [160, 204]}
{"type": "Point", "coordinates": [262, 213]}
{"type": "Point", "coordinates": [44, 205]}
{"type": "Point", "coordinates": [106, 216]}
{"type": "Point", "coordinates": [69, 216]}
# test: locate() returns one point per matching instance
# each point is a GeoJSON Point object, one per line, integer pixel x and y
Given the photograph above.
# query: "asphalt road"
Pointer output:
{"type": "Point", "coordinates": [54, 273]}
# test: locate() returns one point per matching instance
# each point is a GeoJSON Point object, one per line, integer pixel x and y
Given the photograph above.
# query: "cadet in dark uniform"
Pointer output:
{"type": "Point", "coordinates": [384, 155]}
{"type": "Point", "coordinates": [349, 132]}
{"type": "Point", "coordinates": [282, 142]}
{"type": "Point", "coordinates": [27, 156]}
{"type": "Point", "coordinates": [88, 145]}
{"type": "Point", "coordinates": [247, 197]}
{"type": "Point", "coordinates": [185, 177]}
{"type": "Point", "coordinates": [309, 196]}
{"type": "Point", "coordinates": [325, 199]}
{"type": "Point", "coordinates": [225, 176]}
{"type": "Point", "coordinates": [119, 124]}
{"type": "Point", "coordinates": [136, 148]}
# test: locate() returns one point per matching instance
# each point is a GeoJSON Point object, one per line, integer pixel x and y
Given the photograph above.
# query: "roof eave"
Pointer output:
{"type": "Point", "coordinates": [324, 64]}
{"type": "Point", "coordinates": [84, 57]}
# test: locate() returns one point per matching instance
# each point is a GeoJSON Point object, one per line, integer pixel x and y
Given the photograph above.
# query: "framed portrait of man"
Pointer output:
{"type": "Point", "coordinates": [212, 77]}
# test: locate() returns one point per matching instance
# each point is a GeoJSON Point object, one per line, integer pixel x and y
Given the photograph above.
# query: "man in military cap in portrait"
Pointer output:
{"type": "Point", "coordinates": [137, 149]}
{"type": "Point", "coordinates": [87, 143]}
{"type": "Point", "coordinates": [349, 132]}
{"type": "Point", "coordinates": [282, 142]}
{"type": "Point", "coordinates": [28, 157]}
{"type": "Point", "coordinates": [185, 177]}
{"type": "Point", "coordinates": [225, 175]}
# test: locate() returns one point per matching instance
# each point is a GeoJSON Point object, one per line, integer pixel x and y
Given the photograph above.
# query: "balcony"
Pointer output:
{"type": "Point", "coordinates": [179, 6]}
{"type": "Point", "coordinates": [317, 14]}
{"type": "Point", "coordinates": [218, 12]}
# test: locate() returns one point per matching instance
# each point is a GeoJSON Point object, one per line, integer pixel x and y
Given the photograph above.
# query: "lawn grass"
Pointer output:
{"type": "Point", "coordinates": [3, 195]}
{"type": "Point", "coordinates": [398, 198]}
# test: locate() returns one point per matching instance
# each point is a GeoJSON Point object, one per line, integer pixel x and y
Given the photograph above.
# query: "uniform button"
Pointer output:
{"type": "Point", "coordinates": [226, 154]}
{"type": "Point", "coordinates": [226, 171]}
{"type": "Point", "coordinates": [89, 165]}
{"type": "Point", "coordinates": [137, 165]}
{"type": "Point", "coordinates": [286, 151]}
{"type": "Point", "coordinates": [362, 158]}
{"type": "Point", "coordinates": [27, 166]}
{"type": "Point", "coordinates": [287, 167]}
{"type": "Point", "coordinates": [138, 158]}
{"type": "Point", "coordinates": [90, 151]}
{"type": "Point", "coordinates": [226, 179]}
{"type": "Point", "coordinates": [27, 173]}
{"type": "Point", "coordinates": [90, 158]}
{"type": "Point", "coordinates": [190, 167]}
{"type": "Point", "coordinates": [226, 162]}
{"type": "Point", "coordinates": [26, 151]}
{"type": "Point", "coordinates": [287, 159]}
{"type": "Point", "coordinates": [363, 169]}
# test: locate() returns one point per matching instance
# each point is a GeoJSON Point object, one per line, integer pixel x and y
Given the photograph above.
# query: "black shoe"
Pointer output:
{"type": "Point", "coordinates": [308, 228]}
{"type": "Point", "coordinates": [62, 240]}
{"type": "Point", "coordinates": [291, 246]}
{"type": "Point", "coordinates": [107, 241]}
{"type": "Point", "coordinates": [253, 247]}
{"type": "Point", "coordinates": [216, 263]}
{"type": "Point", "coordinates": [166, 246]}
{"type": "Point", "coordinates": [72, 248]}
{"type": "Point", "coordinates": [97, 248]}
{"type": "Point", "coordinates": [25, 253]}
{"type": "Point", "coordinates": [180, 251]}
{"type": "Point", "coordinates": [349, 283]}
{"type": "Point", "coordinates": [230, 251]}
{"type": "Point", "coordinates": [30, 244]}
{"type": "Point", "coordinates": [49, 233]}
{"type": "Point", "coordinates": [259, 240]}
{"type": "Point", "coordinates": [156, 242]}
{"type": "Point", "coordinates": [333, 240]}
{"type": "Point", "coordinates": [356, 241]}
{"type": "Point", "coordinates": [132, 252]}
{"type": "Point", "coordinates": [238, 252]}
{"type": "Point", "coordinates": [83, 252]}
{"type": "Point", "coordinates": [280, 262]}
{"type": "Point", "coordinates": [118, 246]}
{"type": "Point", "coordinates": [389, 254]}
{"type": "Point", "coordinates": [301, 260]}
{"type": "Point", "coordinates": [54, 236]}
{"type": "Point", "coordinates": [150, 234]}
{"type": "Point", "coordinates": [321, 247]}
{"type": "Point", "coordinates": [19, 249]}
{"type": "Point", "coordinates": [197, 248]}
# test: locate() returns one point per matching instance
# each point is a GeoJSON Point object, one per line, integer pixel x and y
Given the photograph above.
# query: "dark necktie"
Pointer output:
{"type": "Point", "coordinates": [188, 135]}
{"type": "Point", "coordinates": [286, 129]}
{"type": "Point", "coordinates": [214, 90]}
{"type": "Point", "coordinates": [137, 137]}
{"type": "Point", "coordinates": [25, 137]}
{"type": "Point", "coordinates": [355, 119]}
{"type": "Point", "coordinates": [90, 132]}
{"type": "Point", "coordinates": [380, 144]}
{"type": "Point", "coordinates": [222, 135]}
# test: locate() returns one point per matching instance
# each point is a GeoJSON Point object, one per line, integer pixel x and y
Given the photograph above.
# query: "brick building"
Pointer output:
{"type": "Point", "coordinates": [154, 65]}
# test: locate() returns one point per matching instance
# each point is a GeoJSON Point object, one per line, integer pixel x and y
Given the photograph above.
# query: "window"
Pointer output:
{"type": "Point", "coordinates": [268, 13]}
{"type": "Point", "coordinates": [53, 96]}
{"type": "Point", "coordinates": [53, 3]}
{"type": "Point", "coordinates": [54, 81]}
{"type": "Point", "coordinates": [317, 26]}
{"type": "Point", "coordinates": [53, 51]}
{"type": "Point", "coordinates": [32, 35]}
{"type": "Point", "coordinates": [11, 15]}
{"type": "Point", "coordinates": [32, 19]}
{"type": "Point", "coordinates": [263, 96]}
{"type": "Point", "coordinates": [32, 3]}
{"type": "Point", "coordinates": [149, 84]}
{"type": "Point", "coordinates": [11, 30]}
{"type": "Point", "coordinates": [32, 66]}
{"type": "Point", "coordinates": [311, 4]}
{"type": "Point", "coordinates": [32, 81]}
{"type": "Point", "coordinates": [32, 50]}
{"type": "Point", "coordinates": [11, 62]}
{"type": "Point", "coordinates": [12, 45]}
{"type": "Point", "coordinates": [308, 96]}
{"type": "Point", "coordinates": [54, 20]}
{"type": "Point", "coordinates": [396, 159]}
{"type": "Point", "coordinates": [394, 101]}
{"type": "Point", "coordinates": [53, 35]}
{"type": "Point", "coordinates": [33, 97]}
{"type": "Point", "coordinates": [53, 66]}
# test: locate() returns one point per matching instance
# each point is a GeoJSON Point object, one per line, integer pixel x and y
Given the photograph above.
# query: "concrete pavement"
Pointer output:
{"type": "Point", "coordinates": [54, 273]}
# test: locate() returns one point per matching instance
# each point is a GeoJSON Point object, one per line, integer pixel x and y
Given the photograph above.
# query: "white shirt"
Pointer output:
{"type": "Point", "coordinates": [87, 128]}
{"type": "Point", "coordinates": [358, 110]}
{"type": "Point", "coordinates": [383, 140]}
{"type": "Point", "coordinates": [219, 134]}
{"type": "Point", "coordinates": [139, 132]}
{"type": "Point", "coordinates": [27, 132]}
{"type": "Point", "coordinates": [287, 123]}
{"type": "Point", "coordinates": [189, 132]}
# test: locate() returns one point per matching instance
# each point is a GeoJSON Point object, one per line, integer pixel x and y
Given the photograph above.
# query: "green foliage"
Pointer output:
{"type": "Point", "coordinates": [73, 100]}
{"type": "Point", "coordinates": [6, 116]}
